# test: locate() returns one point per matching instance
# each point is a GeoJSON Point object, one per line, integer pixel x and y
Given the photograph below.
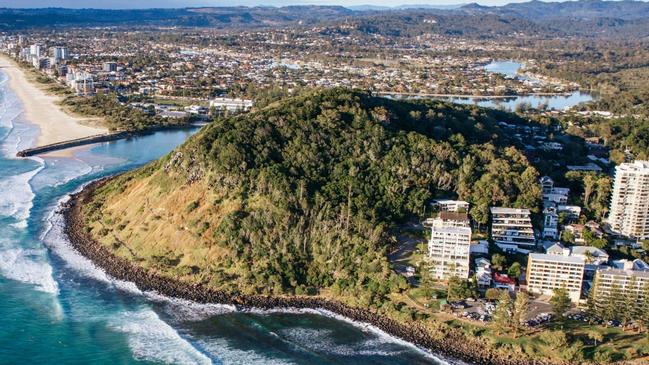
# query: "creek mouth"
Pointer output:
{"type": "Point", "coordinates": [453, 348]}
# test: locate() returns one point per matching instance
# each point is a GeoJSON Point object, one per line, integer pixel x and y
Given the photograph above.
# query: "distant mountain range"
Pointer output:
{"type": "Point", "coordinates": [583, 9]}
{"type": "Point", "coordinates": [581, 18]}
{"type": "Point", "coordinates": [403, 7]}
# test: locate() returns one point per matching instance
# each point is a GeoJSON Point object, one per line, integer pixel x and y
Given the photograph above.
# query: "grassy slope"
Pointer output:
{"type": "Point", "coordinates": [175, 215]}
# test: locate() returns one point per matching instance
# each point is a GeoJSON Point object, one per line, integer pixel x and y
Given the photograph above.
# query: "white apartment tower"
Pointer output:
{"type": "Point", "coordinates": [629, 214]}
{"type": "Point", "coordinates": [449, 246]}
{"type": "Point", "coordinates": [59, 53]}
{"type": "Point", "coordinates": [35, 51]}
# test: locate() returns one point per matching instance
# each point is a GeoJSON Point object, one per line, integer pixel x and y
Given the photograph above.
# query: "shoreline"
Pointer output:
{"type": "Point", "coordinates": [454, 346]}
{"type": "Point", "coordinates": [42, 110]}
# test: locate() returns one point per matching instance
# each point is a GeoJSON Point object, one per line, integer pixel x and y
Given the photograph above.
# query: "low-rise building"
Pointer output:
{"type": "Point", "coordinates": [480, 248]}
{"type": "Point", "coordinates": [545, 273]}
{"type": "Point", "coordinates": [550, 223]}
{"type": "Point", "coordinates": [448, 205]}
{"type": "Point", "coordinates": [503, 281]}
{"type": "Point", "coordinates": [572, 212]}
{"type": "Point", "coordinates": [230, 105]}
{"type": "Point", "coordinates": [546, 184]}
{"type": "Point", "coordinates": [591, 255]}
{"type": "Point", "coordinates": [577, 231]}
{"type": "Point", "coordinates": [483, 272]}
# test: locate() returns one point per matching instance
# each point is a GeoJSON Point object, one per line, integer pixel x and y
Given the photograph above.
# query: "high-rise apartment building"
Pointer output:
{"type": "Point", "coordinates": [629, 213]}
{"type": "Point", "coordinates": [546, 272]}
{"type": "Point", "coordinates": [449, 246]}
{"type": "Point", "coordinates": [630, 281]}
{"type": "Point", "coordinates": [511, 229]}
{"type": "Point", "coordinates": [59, 53]}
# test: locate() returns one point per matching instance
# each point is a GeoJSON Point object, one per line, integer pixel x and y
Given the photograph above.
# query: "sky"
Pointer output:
{"type": "Point", "coordinates": [140, 4]}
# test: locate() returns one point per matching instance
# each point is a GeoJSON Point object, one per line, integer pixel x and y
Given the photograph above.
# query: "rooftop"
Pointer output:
{"type": "Point", "coordinates": [454, 230]}
{"type": "Point", "coordinates": [451, 216]}
{"type": "Point", "coordinates": [449, 201]}
{"type": "Point", "coordinates": [639, 165]}
{"type": "Point", "coordinates": [502, 210]}
{"type": "Point", "coordinates": [620, 272]}
{"type": "Point", "coordinates": [581, 250]}
{"type": "Point", "coordinates": [556, 258]}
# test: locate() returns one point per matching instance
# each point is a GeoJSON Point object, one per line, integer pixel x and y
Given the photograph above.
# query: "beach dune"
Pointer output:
{"type": "Point", "coordinates": [43, 110]}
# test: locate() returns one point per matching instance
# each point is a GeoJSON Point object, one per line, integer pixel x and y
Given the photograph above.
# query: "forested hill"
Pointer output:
{"type": "Point", "coordinates": [301, 195]}
{"type": "Point", "coordinates": [577, 10]}
{"type": "Point", "coordinates": [584, 18]}
{"type": "Point", "coordinates": [215, 17]}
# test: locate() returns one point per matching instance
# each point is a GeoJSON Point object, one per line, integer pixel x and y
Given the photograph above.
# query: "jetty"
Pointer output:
{"type": "Point", "coordinates": [74, 143]}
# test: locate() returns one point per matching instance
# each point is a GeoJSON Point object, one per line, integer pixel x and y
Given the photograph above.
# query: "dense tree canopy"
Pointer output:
{"type": "Point", "coordinates": [320, 178]}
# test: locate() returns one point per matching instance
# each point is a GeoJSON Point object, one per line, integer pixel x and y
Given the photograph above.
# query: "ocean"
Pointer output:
{"type": "Point", "coordinates": [56, 307]}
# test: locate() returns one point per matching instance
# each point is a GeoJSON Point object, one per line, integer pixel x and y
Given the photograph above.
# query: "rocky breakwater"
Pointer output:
{"type": "Point", "coordinates": [453, 345]}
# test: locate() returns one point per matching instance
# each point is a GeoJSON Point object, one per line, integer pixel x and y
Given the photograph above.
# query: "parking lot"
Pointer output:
{"type": "Point", "coordinates": [481, 310]}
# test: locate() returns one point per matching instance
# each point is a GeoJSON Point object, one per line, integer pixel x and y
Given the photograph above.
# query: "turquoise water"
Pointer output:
{"type": "Point", "coordinates": [57, 308]}
{"type": "Point", "coordinates": [510, 69]}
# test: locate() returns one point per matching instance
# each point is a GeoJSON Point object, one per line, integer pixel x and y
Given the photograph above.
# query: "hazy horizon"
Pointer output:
{"type": "Point", "coordinates": [126, 4]}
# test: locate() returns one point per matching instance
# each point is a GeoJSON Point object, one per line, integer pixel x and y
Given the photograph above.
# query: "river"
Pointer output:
{"type": "Point", "coordinates": [56, 307]}
{"type": "Point", "coordinates": [510, 69]}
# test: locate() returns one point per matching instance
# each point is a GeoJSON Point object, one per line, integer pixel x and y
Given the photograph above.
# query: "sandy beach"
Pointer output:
{"type": "Point", "coordinates": [42, 109]}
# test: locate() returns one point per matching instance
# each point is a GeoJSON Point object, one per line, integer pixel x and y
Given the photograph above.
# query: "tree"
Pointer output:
{"type": "Point", "coordinates": [514, 270]}
{"type": "Point", "coordinates": [498, 261]}
{"type": "Point", "coordinates": [492, 293]}
{"type": "Point", "coordinates": [567, 236]}
{"type": "Point", "coordinates": [591, 301]}
{"type": "Point", "coordinates": [519, 313]}
{"type": "Point", "coordinates": [588, 257]}
{"type": "Point", "coordinates": [595, 335]}
{"type": "Point", "coordinates": [458, 289]}
{"type": "Point", "coordinates": [589, 184]}
{"type": "Point", "coordinates": [574, 353]}
{"type": "Point", "coordinates": [426, 281]}
{"type": "Point", "coordinates": [480, 214]}
{"type": "Point", "coordinates": [610, 308]}
{"type": "Point", "coordinates": [643, 310]}
{"type": "Point", "coordinates": [502, 318]}
{"type": "Point", "coordinates": [555, 339]}
{"type": "Point", "coordinates": [560, 302]}
{"type": "Point", "coordinates": [627, 311]}
{"type": "Point", "coordinates": [603, 356]}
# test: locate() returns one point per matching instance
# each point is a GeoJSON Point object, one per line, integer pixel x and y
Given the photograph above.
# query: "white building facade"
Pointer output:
{"type": "Point", "coordinates": [629, 213]}
{"type": "Point", "coordinates": [449, 249]}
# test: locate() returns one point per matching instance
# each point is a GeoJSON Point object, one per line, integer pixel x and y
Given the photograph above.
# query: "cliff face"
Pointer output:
{"type": "Point", "coordinates": [298, 197]}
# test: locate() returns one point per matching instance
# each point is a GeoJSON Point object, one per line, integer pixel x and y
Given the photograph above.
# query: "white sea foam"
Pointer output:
{"type": "Point", "coordinates": [59, 171]}
{"type": "Point", "coordinates": [186, 310]}
{"type": "Point", "coordinates": [147, 331]}
{"type": "Point", "coordinates": [17, 196]}
{"type": "Point", "coordinates": [56, 240]}
{"type": "Point", "coordinates": [150, 338]}
{"type": "Point", "coordinates": [227, 355]}
{"type": "Point", "coordinates": [321, 340]}
{"type": "Point", "coordinates": [366, 327]}
{"type": "Point", "coordinates": [28, 266]}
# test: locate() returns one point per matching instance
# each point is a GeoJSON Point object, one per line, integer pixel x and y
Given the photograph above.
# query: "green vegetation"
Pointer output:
{"type": "Point", "coordinates": [560, 302]}
{"type": "Point", "coordinates": [326, 175]}
{"type": "Point", "coordinates": [300, 198]}
{"type": "Point", "coordinates": [115, 115]}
